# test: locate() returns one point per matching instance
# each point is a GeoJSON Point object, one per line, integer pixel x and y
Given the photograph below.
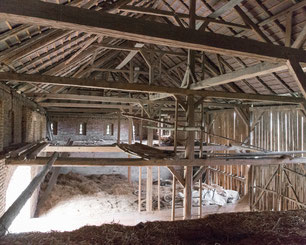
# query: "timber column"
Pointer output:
{"type": "Point", "coordinates": [149, 187]}
{"type": "Point", "coordinates": [190, 121]}
{"type": "Point", "coordinates": [189, 155]}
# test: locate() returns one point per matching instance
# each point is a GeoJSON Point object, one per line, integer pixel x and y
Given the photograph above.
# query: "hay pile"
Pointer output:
{"type": "Point", "coordinates": [233, 228]}
{"type": "Point", "coordinates": [75, 194]}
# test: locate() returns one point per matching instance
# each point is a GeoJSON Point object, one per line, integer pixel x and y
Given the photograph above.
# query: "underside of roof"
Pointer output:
{"type": "Point", "coordinates": [222, 56]}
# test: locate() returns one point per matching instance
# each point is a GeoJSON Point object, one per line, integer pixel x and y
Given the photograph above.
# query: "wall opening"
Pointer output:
{"type": "Point", "coordinates": [53, 126]}
{"type": "Point", "coordinates": [82, 129]}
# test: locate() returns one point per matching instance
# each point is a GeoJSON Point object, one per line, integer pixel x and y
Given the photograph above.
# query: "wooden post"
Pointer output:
{"type": "Point", "coordinates": [140, 168]}
{"type": "Point", "coordinates": [201, 132]}
{"type": "Point", "coordinates": [175, 126]}
{"type": "Point", "coordinates": [139, 189]}
{"type": "Point", "coordinates": [141, 129]}
{"type": "Point", "coordinates": [201, 156]}
{"type": "Point", "coordinates": [158, 188]}
{"type": "Point", "coordinates": [118, 130]}
{"type": "Point", "coordinates": [159, 130]}
{"type": "Point", "coordinates": [173, 198]}
{"type": "Point", "coordinates": [130, 136]}
{"type": "Point", "coordinates": [149, 192]}
{"type": "Point", "coordinates": [200, 196]}
{"type": "Point", "coordinates": [190, 121]}
{"type": "Point", "coordinates": [189, 155]}
{"type": "Point", "coordinates": [9, 216]}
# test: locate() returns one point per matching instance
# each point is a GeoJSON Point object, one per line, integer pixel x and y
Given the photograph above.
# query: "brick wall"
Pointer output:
{"type": "Point", "coordinates": [68, 127]}
{"type": "Point", "coordinates": [17, 116]}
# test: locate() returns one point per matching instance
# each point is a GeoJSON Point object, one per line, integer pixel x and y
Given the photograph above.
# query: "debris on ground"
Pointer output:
{"type": "Point", "coordinates": [250, 228]}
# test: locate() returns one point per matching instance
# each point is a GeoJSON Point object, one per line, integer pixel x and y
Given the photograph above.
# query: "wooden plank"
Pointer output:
{"type": "Point", "coordinates": [137, 87]}
{"type": "Point", "coordinates": [117, 26]}
{"type": "Point", "coordinates": [8, 217]}
{"type": "Point", "coordinates": [298, 74]}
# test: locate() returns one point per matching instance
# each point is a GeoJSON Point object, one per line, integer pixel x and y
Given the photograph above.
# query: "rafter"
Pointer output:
{"type": "Point", "coordinates": [247, 73]}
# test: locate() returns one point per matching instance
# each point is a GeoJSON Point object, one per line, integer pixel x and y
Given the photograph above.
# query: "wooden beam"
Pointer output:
{"type": "Point", "coordinates": [288, 29]}
{"type": "Point", "coordinates": [282, 13]}
{"type": "Point", "coordinates": [78, 19]}
{"type": "Point", "coordinates": [79, 110]}
{"type": "Point", "coordinates": [130, 56]}
{"type": "Point", "coordinates": [146, 119]}
{"type": "Point", "coordinates": [163, 13]}
{"type": "Point", "coordinates": [177, 175]}
{"type": "Point", "coordinates": [51, 183]}
{"type": "Point", "coordinates": [79, 105]}
{"type": "Point", "coordinates": [298, 43]}
{"type": "Point", "coordinates": [8, 217]}
{"type": "Point", "coordinates": [142, 88]}
{"type": "Point", "coordinates": [138, 162]}
{"type": "Point", "coordinates": [298, 74]}
{"type": "Point", "coordinates": [226, 7]}
{"type": "Point", "coordinates": [250, 23]}
{"type": "Point", "coordinates": [198, 175]}
{"type": "Point", "coordinates": [77, 148]}
{"type": "Point", "coordinates": [244, 116]}
{"type": "Point", "coordinates": [246, 73]}
{"type": "Point", "coordinates": [77, 97]}
{"type": "Point", "coordinates": [114, 6]}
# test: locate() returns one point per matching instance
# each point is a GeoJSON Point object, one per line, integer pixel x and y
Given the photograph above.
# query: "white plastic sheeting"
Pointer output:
{"type": "Point", "coordinates": [213, 195]}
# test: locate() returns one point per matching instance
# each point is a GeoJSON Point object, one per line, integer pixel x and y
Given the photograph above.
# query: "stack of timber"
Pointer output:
{"type": "Point", "coordinates": [146, 152]}
{"type": "Point", "coordinates": [24, 151]}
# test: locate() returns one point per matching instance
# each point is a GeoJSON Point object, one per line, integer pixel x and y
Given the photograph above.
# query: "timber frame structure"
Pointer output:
{"type": "Point", "coordinates": [230, 74]}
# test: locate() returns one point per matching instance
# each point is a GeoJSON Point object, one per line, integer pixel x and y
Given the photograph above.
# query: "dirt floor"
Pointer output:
{"type": "Point", "coordinates": [232, 228]}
